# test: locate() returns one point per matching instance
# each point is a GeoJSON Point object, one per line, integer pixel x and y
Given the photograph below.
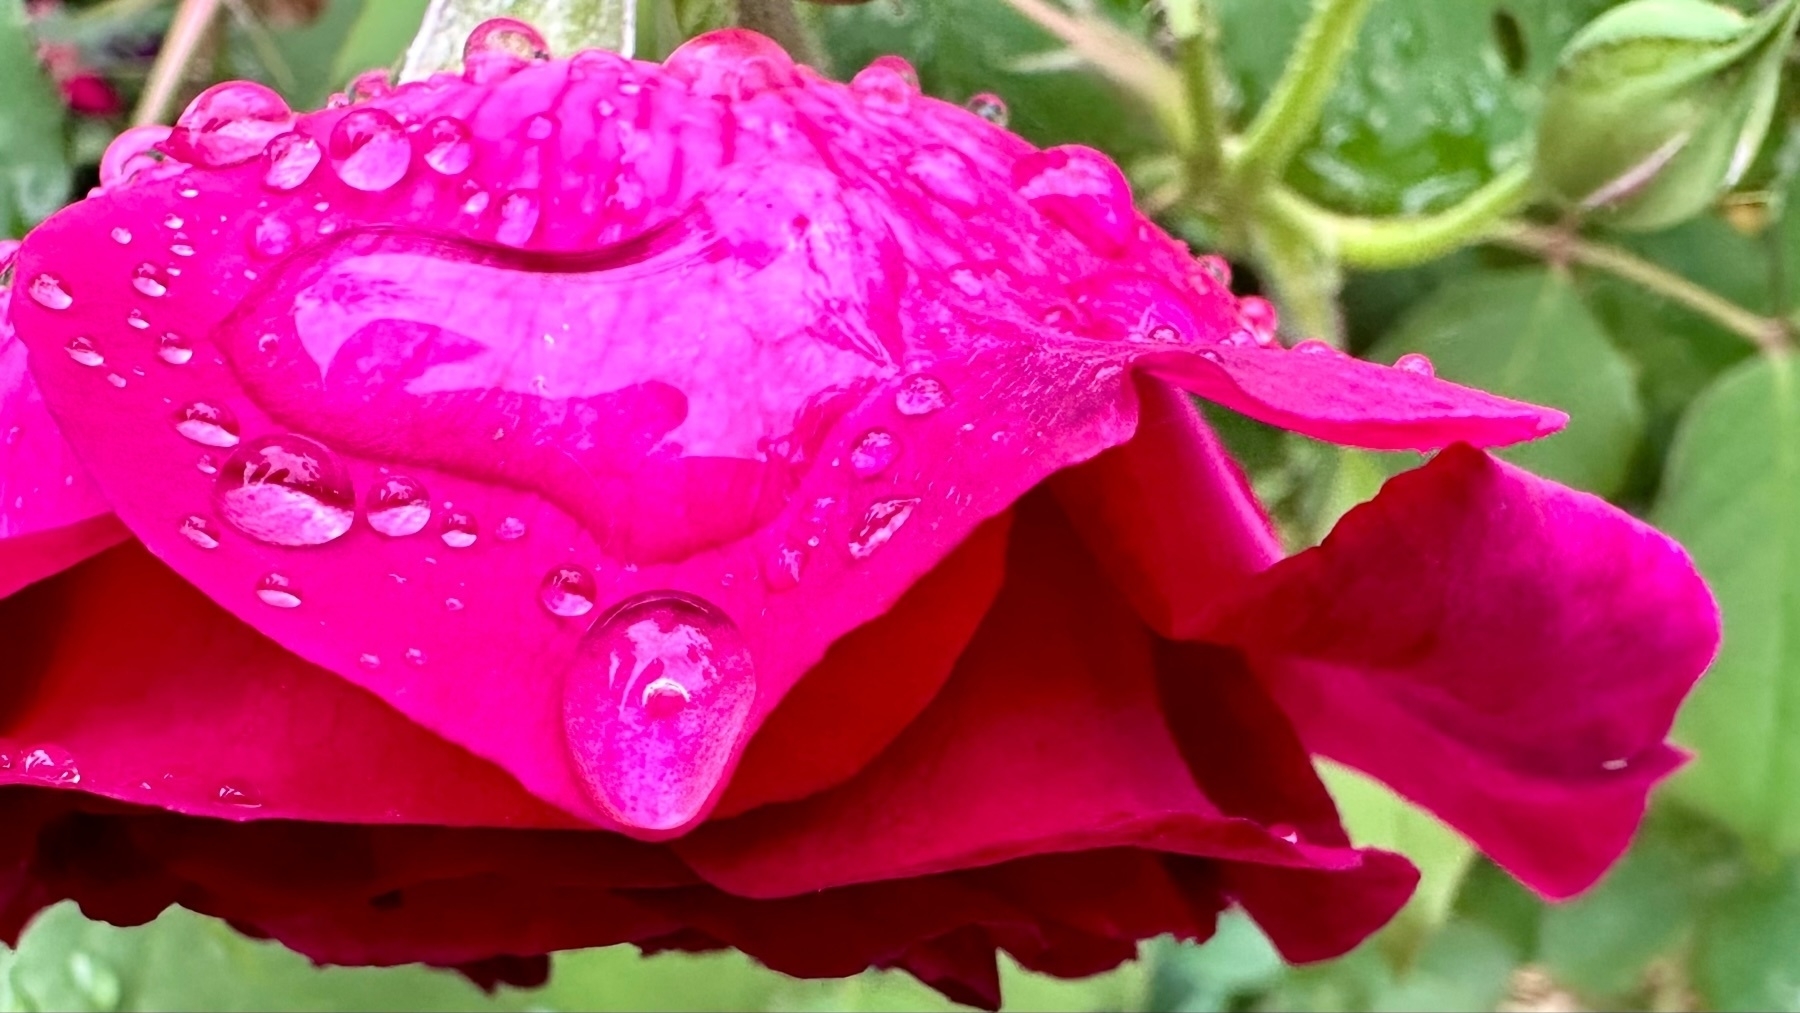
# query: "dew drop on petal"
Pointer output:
{"type": "Point", "coordinates": [518, 219]}
{"type": "Point", "coordinates": [1414, 363]}
{"type": "Point", "coordinates": [656, 705]}
{"type": "Point", "coordinates": [82, 350]}
{"type": "Point", "coordinates": [207, 465]}
{"type": "Point", "coordinates": [1259, 317]}
{"type": "Point", "coordinates": [449, 151]}
{"type": "Point", "coordinates": [921, 394]}
{"type": "Point", "coordinates": [1313, 346]}
{"type": "Point", "coordinates": [239, 796]}
{"type": "Point", "coordinates": [370, 150]}
{"type": "Point", "coordinates": [200, 531]}
{"type": "Point", "coordinates": [1083, 191]}
{"type": "Point", "coordinates": [370, 84]}
{"type": "Point", "coordinates": [990, 107]}
{"type": "Point", "coordinates": [733, 64]}
{"type": "Point", "coordinates": [508, 36]}
{"type": "Point", "coordinates": [148, 279]}
{"type": "Point", "coordinates": [229, 124]}
{"type": "Point", "coordinates": [291, 158]}
{"type": "Point", "coordinates": [49, 765]}
{"type": "Point", "coordinates": [874, 452]}
{"type": "Point", "coordinates": [1214, 267]}
{"type": "Point", "coordinates": [121, 235]}
{"type": "Point", "coordinates": [137, 320]}
{"type": "Point", "coordinates": [414, 656]}
{"type": "Point", "coordinates": [510, 529]}
{"type": "Point", "coordinates": [130, 152]}
{"type": "Point", "coordinates": [398, 506]}
{"type": "Point", "coordinates": [173, 221]}
{"type": "Point", "coordinates": [460, 530]}
{"type": "Point", "coordinates": [568, 591]}
{"type": "Point", "coordinates": [453, 604]}
{"type": "Point", "coordinates": [272, 237]}
{"type": "Point", "coordinates": [1285, 831]}
{"type": "Point", "coordinates": [173, 349]}
{"type": "Point", "coordinates": [208, 424]}
{"type": "Point", "coordinates": [784, 566]}
{"type": "Point", "coordinates": [275, 589]}
{"type": "Point", "coordinates": [286, 490]}
{"type": "Point", "coordinates": [882, 521]}
{"type": "Point", "coordinates": [888, 84]}
{"type": "Point", "coordinates": [47, 291]}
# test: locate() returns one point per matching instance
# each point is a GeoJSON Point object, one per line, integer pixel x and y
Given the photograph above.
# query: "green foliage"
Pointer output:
{"type": "Point", "coordinates": [34, 174]}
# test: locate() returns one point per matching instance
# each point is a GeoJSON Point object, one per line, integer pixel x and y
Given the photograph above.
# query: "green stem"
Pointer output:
{"type": "Point", "coordinates": [1293, 108]}
{"type": "Point", "coordinates": [779, 21]}
{"type": "Point", "coordinates": [1378, 244]}
{"type": "Point", "coordinates": [567, 26]}
{"type": "Point", "coordinates": [1196, 46]}
{"type": "Point", "coordinates": [193, 20]}
{"type": "Point", "coordinates": [1120, 56]}
{"type": "Point", "coordinates": [1559, 246]}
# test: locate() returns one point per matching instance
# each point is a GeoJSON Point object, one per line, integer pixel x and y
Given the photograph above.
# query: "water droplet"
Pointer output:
{"type": "Point", "coordinates": [460, 530]}
{"type": "Point", "coordinates": [453, 604]}
{"type": "Point", "coordinates": [121, 235]}
{"type": "Point", "coordinates": [508, 36]}
{"type": "Point", "coordinates": [291, 158]}
{"type": "Point", "coordinates": [948, 174]}
{"type": "Point", "coordinates": [229, 124]}
{"type": "Point", "coordinates": [47, 291]}
{"type": "Point", "coordinates": [1214, 267]}
{"type": "Point", "coordinates": [731, 63]}
{"type": "Point", "coordinates": [49, 765]}
{"type": "Point", "coordinates": [369, 150]}
{"type": "Point", "coordinates": [272, 237]}
{"type": "Point", "coordinates": [180, 250]}
{"type": "Point", "coordinates": [370, 84]}
{"type": "Point", "coordinates": [148, 279]}
{"type": "Point", "coordinates": [414, 656]}
{"type": "Point", "coordinates": [518, 219]}
{"type": "Point", "coordinates": [990, 107]}
{"type": "Point", "coordinates": [200, 531]}
{"type": "Point", "coordinates": [275, 589]}
{"type": "Point", "coordinates": [286, 490]}
{"type": "Point", "coordinates": [510, 529]}
{"type": "Point", "coordinates": [136, 319]}
{"type": "Point", "coordinates": [655, 707]}
{"type": "Point", "coordinates": [882, 521]}
{"type": "Point", "coordinates": [450, 151]}
{"type": "Point", "coordinates": [1258, 316]}
{"type": "Point", "coordinates": [874, 452]}
{"type": "Point", "coordinates": [398, 507]}
{"type": "Point", "coordinates": [207, 424]}
{"type": "Point", "coordinates": [1313, 346]}
{"type": "Point", "coordinates": [173, 221]}
{"type": "Point", "coordinates": [207, 465]}
{"type": "Point", "coordinates": [369, 661]}
{"type": "Point", "coordinates": [239, 796]}
{"type": "Point", "coordinates": [1414, 363]}
{"type": "Point", "coordinates": [82, 350]}
{"type": "Point", "coordinates": [888, 84]}
{"type": "Point", "coordinates": [921, 394]}
{"type": "Point", "coordinates": [568, 591]}
{"type": "Point", "coordinates": [173, 349]}
{"type": "Point", "coordinates": [1285, 831]}
{"type": "Point", "coordinates": [132, 152]}
{"type": "Point", "coordinates": [115, 379]}
{"type": "Point", "coordinates": [1082, 190]}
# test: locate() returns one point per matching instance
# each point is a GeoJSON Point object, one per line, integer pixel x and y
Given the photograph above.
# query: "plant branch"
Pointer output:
{"type": "Point", "coordinates": [1119, 56]}
{"type": "Point", "coordinates": [1560, 246]}
{"type": "Point", "coordinates": [779, 21]}
{"type": "Point", "coordinates": [1293, 108]}
{"type": "Point", "coordinates": [1196, 44]}
{"type": "Point", "coordinates": [1388, 243]}
{"type": "Point", "coordinates": [193, 19]}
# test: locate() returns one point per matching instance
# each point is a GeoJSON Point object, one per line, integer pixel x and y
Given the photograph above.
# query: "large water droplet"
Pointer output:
{"type": "Point", "coordinates": [882, 521]}
{"type": "Point", "coordinates": [990, 107]}
{"type": "Point", "coordinates": [200, 531]}
{"type": "Point", "coordinates": [732, 63]}
{"type": "Point", "coordinates": [1083, 191]}
{"type": "Point", "coordinates": [47, 291]}
{"type": "Point", "coordinates": [508, 36]}
{"type": "Point", "coordinates": [369, 150]}
{"type": "Point", "coordinates": [275, 589]}
{"type": "Point", "coordinates": [655, 707]}
{"type": "Point", "coordinates": [398, 506]}
{"type": "Point", "coordinates": [131, 152]}
{"type": "Point", "coordinates": [460, 530]}
{"type": "Point", "coordinates": [49, 765]}
{"type": "Point", "coordinates": [148, 279]}
{"type": "Point", "coordinates": [888, 84]}
{"type": "Point", "coordinates": [450, 151]}
{"type": "Point", "coordinates": [568, 591]}
{"type": "Point", "coordinates": [292, 157]}
{"type": "Point", "coordinates": [1414, 363]}
{"type": "Point", "coordinates": [82, 350]}
{"type": "Point", "coordinates": [208, 424]}
{"type": "Point", "coordinates": [173, 349]}
{"type": "Point", "coordinates": [286, 490]}
{"type": "Point", "coordinates": [229, 124]}
{"type": "Point", "coordinates": [921, 394]}
{"type": "Point", "coordinates": [874, 452]}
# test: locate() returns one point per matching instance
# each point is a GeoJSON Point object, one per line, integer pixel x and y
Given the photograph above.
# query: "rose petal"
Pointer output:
{"type": "Point", "coordinates": [1504, 651]}
{"type": "Point", "coordinates": [130, 684]}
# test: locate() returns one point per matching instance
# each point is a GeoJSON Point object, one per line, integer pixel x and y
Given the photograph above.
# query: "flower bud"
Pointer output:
{"type": "Point", "coordinates": [1659, 105]}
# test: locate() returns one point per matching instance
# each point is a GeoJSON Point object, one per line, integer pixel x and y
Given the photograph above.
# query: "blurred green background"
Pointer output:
{"type": "Point", "coordinates": [1676, 418]}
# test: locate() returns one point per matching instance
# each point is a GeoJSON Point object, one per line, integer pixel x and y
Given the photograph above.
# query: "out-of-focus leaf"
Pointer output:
{"type": "Point", "coordinates": [34, 172]}
{"type": "Point", "coordinates": [302, 61]}
{"type": "Point", "coordinates": [1745, 957]}
{"type": "Point", "coordinates": [1237, 962]}
{"type": "Point", "coordinates": [378, 37]}
{"type": "Point", "coordinates": [1526, 334]}
{"type": "Point", "coordinates": [971, 46]}
{"type": "Point", "coordinates": [1732, 497]}
{"type": "Point", "coordinates": [1437, 97]}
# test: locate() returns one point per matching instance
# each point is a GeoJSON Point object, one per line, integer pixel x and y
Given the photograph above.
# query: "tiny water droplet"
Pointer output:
{"type": "Point", "coordinates": [414, 656]}
{"type": "Point", "coordinates": [272, 237]}
{"type": "Point", "coordinates": [286, 490]}
{"type": "Point", "coordinates": [460, 530]}
{"type": "Point", "coordinates": [369, 150]}
{"type": "Point", "coordinates": [888, 84]}
{"type": "Point", "coordinates": [239, 796]}
{"type": "Point", "coordinates": [200, 531]}
{"type": "Point", "coordinates": [785, 565]}
{"type": "Point", "coordinates": [369, 661]}
{"type": "Point", "coordinates": [49, 765]}
{"type": "Point", "coordinates": [1614, 764]}
{"type": "Point", "coordinates": [370, 84]}
{"type": "Point", "coordinates": [453, 604]}
{"type": "Point", "coordinates": [880, 523]}
{"type": "Point", "coordinates": [173, 222]}
{"type": "Point", "coordinates": [277, 590]}
{"type": "Point", "coordinates": [137, 320]}
{"type": "Point", "coordinates": [121, 235]}
{"type": "Point", "coordinates": [398, 507]}
{"type": "Point", "coordinates": [82, 351]}
{"type": "Point", "coordinates": [291, 159]}
{"type": "Point", "coordinates": [990, 107]}
{"type": "Point", "coordinates": [518, 219]}
{"type": "Point", "coordinates": [208, 424]}
{"type": "Point", "coordinates": [921, 394]}
{"type": "Point", "coordinates": [173, 349]}
{"type": "Point", "coordinates": [148, 279]}
{"type": "Point", "coordinates": [1258, 316]}
{"type": "Point", "coordinates": [1313, 346]}
{"type": "Point", "coordinates": [47, 291]}
{"type": "Point", "coordinates": [115, 379]}
{"type": "Point", "coordinates": [510, 529]}
{"type": "Point", "coordinates": [207, 465]}
{"type": "Point", "coordinates": [568, 591]}
{"type": "Point", "coordinates": [1285, 832]}
{"type": "Point", "coordinates": [180, 250]}
{"type": "Point", "coordinates": [1418, 365]}
{"type": "Point", "coordinates": [1215, 267]}
{"type": "Point", "coordinates": [450, 152]}
{"type": "Point", "coordinates": [874, 452]}
{"type": "Point", "coordinates": [655, 706]}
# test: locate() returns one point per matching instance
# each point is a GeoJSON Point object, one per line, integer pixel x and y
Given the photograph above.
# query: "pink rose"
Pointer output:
{"type": "Point", "coordinates": [699, 505]}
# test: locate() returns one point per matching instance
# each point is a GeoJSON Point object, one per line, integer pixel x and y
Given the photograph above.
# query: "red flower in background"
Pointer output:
{"type": "Point", "coordinates": [700, 505]}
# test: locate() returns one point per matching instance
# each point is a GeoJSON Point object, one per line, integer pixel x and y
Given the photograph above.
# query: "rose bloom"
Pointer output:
{"type": "Point", "coordinates": [582, 501]}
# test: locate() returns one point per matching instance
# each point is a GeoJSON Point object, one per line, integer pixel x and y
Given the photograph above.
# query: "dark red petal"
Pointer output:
{"type": "Point", "coordinates": [1507, 652]}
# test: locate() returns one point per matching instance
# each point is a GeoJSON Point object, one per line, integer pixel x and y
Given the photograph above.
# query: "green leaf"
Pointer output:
{"type": "Point", "coordinates": [378, 37]}
{"type": "Point", "coordinates": [1745, 957]}
{"type": "Point", "coordinates": [1237, 962]}
{"type": "Point", "coordinates": [34, 171]}
{"type": "Point", "coordinates": [1732, 497]}
{"type": "Point", "coordinates": [1526, 334]}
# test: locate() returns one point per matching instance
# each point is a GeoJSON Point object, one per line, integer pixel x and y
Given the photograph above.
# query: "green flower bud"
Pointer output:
{"type": "Point", "coordinates": [1659, 105]}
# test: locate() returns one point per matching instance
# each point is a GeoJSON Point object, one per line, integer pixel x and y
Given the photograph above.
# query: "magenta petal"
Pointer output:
{"type": "Point", "coordinates": [1505, 651]}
